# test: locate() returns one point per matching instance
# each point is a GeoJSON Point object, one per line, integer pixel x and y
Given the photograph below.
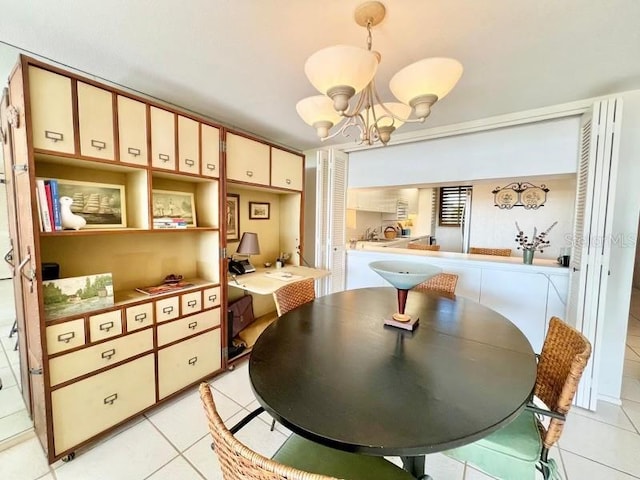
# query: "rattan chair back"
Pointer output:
{"type": "Point", "coordinates": [293, 295]}
{"type": "Point", "coordinates": [443, 283]}
{"type": "Point", "coordinates": [501, 252]}
{"type": "Point", "coordinates": [239, 462]}
{"type": "Point", "coordinates": [563, 358]}
{"type": "Point", "coordinates": [423, 246]}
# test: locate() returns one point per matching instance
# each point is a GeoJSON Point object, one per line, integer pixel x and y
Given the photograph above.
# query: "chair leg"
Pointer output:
{"type": "Point", "coordinates": [544, 457]}
{"type": "Point", "coordinates": [273, 424]}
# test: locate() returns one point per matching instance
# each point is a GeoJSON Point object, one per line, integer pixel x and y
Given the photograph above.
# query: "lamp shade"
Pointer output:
{"type": "Point", "coordinates": [318, 108]}
{"type": "Point", "coordinates": [248, 244]}
{"type": "Point", "coordinates": [400, 110]}
{"type": "Point", "coordinates": [431, 76]}
{"type": "Point", "coordinates": [341, 65]}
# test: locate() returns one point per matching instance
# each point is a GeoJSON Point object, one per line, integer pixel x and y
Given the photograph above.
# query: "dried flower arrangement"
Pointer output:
{"type": "Point", "coordinates": [537, 243]}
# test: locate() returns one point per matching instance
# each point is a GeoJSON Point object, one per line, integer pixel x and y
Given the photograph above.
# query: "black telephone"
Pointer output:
{"type": "Point", "coordinates": [236, 267]}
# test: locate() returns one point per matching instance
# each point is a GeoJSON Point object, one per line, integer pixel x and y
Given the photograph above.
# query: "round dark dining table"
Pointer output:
{"type": "Point", "coordinates": [332, 372]}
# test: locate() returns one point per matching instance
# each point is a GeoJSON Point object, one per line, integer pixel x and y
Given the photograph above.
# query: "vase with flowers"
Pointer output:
{"type": "Point", "coordinates": [538, 242]}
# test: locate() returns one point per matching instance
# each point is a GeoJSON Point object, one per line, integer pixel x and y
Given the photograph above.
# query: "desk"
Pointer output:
{"type": "Point", "coordinates": [265, 281]}
{"type": "Point", "coordinates": [332, 372]}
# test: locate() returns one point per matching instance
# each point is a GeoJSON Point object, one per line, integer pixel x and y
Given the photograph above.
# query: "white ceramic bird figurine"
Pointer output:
{"type": "Point", "coordinates": [69, 219]}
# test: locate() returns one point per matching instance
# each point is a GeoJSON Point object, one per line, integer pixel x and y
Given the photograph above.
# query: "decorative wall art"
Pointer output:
{"type": "Point", "coordinates": [520, 194]}
{"type": "Point", "coordinates": [259, 210]}
{"type": "Point", "coordinates": [100, 204]}
{"type": "Point", "coordinates": [70, 296]}
{"type": "Point", "coordinates": [233, 217]}
{"type": "Point", "coordinates": [169, 204]}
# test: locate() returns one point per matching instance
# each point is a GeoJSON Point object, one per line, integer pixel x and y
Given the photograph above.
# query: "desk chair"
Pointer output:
{"type": "Point", "coordinates": [442, 283]}
{"type": "Point", "coordinates": [423, 246]}
{"type": "Point", "coordinates": [518, 449]}
{"type": "Point", "coordinates": [292, 295]}
{"type": "Point", "coordinates": [501, 252]}
{"type": "Point", "coordinates": [295, 460]}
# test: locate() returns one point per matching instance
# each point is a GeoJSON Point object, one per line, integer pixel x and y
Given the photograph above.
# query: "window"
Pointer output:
{"type": "Point", "coordinates": [452, 204]}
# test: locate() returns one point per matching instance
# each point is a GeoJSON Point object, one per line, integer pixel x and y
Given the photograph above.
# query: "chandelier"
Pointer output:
{"type": "Point", "coordinates": [342, 71]}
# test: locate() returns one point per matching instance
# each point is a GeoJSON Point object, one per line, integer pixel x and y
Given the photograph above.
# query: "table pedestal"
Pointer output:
{"type": "Point", "coordinates": [415, 466]}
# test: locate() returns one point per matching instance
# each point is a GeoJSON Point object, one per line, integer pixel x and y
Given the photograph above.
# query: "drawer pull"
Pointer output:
{"type": "Point", "coordinates": [109, 353]}
{"type": "Point", "coordinates": [167, 310]}
{"type": "Point", "coordinates": [98, 144]}
{"type": "Point", "coordinates": [193, 325]}
{"type": "Point", "coordinates": [55, 136]}
{"type": "Point", "coordinates": [110, 399]}
{"type": "Point", "coordinates": [141, 317]}
{"type": "Point", "coordinates": [192, 303]}
{"type": "Point", "coordinates": [193, 360]}
{"type": "Point", "coordinates": [211, 166]}
{"type": "Point", "coordinates": [249, 173]}
{"type": "Point", "coordinates": [106, 326]}
{"type": "Point", "coordinates": [288, 181]}
{"type": "Point", "coordinates": [164, 157]}
{"type": "Point", "coordinates": [66, 337]}
{"type": "Point", "coordinates": [212, 298]}
{"type": "Point", "coordinates": [188, 162]}
{"type": "Point", "coordinates": [133, 151]}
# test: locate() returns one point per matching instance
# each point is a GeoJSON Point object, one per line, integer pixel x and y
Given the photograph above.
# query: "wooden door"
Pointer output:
{"type": "Point", "coordinates": [95, 118]}
{"type": "Point", "coordinates": [132, 131]}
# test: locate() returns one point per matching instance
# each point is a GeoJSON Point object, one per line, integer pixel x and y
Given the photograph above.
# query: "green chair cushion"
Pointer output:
{"type": "Point", "coordinates": [510, 453]}
{"type": "Point", "coordinates": [298, 452]}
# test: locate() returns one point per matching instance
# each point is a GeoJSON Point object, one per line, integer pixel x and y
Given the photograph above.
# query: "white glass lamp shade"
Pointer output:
{"type": "Point", "coordinates": [400, 110]}
{"type": "Point", "coordinates": [318, 112]}
{"type": "Point", "coordinates": [404, 275]}
{"type": "Point", "coordinates": [431, 76]}
{"type": "Point", "coordinates": [340, 66]}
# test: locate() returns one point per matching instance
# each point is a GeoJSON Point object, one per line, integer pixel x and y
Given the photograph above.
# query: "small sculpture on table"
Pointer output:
{"type": "Point", "coordinates": [404, 276]}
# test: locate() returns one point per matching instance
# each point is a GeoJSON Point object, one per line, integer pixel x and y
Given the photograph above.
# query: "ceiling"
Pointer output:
{"type": "Point", "coordinates": [241, 62]}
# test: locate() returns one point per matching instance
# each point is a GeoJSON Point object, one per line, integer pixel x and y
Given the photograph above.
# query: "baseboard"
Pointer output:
{"type": "Point", "coordinates": [16, 439]}
{"type": "Point", "coordinates": [608, 399]}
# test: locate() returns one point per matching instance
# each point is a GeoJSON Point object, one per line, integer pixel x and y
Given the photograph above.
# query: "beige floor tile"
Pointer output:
{"type": "Point", "coordinates": [630, 389]}
{"type": "Point", "coordinates": [236, 385]}
{"type": "Point", "coordinates": [602, 443]}
{"type": "Point", "coordinates": [48, 476]}
{"type": "Point", "coordinates": [471, 473]}
{"type": "Point", "coordinates": [15, 424]}
{"type": "Point", "coordinates": [605, 412]}
{"type": "Point", "coordinates": [10, 401]}
{"type": "Point", "coordinates": [176, 469]}
{"type": "Point", "coordinates": [634, 326]}
{"type": "Point", "coordinates": [580, 468]}
{"type": "Point", "coordinates": [257, 436]}
{"type": "Point", "coordinates": [632, 409]}
{"type": "Point", "coordinates": [25, 461]}
{"type": "Point", "coordinates": [204, 459]}
{"type": "Point", "coordinates": [633, 341]}
{"type": "Point", "coordinates": [134, 454]}
{"type": "Point", "coordinates": [630, 354]}
{"type": "Point", "coordinates": [8, 379]}
{"type": "Point", "coordinates": [439, 466]}
{"type": "Point", "coordinates": [631, 369]}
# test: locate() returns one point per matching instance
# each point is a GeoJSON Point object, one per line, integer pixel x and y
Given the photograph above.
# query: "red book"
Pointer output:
{"type": "Point", "coordinates": [47, 189]}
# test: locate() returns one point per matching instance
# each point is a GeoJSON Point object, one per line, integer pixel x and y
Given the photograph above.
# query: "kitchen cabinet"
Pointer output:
{"type": "Point", "coordinates": [163, 139]}
{"type": "Point", "coordinates": [95, 120]}
{"type": "Point", "coordinates": [132, 131]}
{"type": "Point", "coordinates": [248, 160]}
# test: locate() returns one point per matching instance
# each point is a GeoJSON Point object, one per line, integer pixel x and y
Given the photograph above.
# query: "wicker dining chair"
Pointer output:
{"type": "Point", "coordinates": [295, 460]}
{"type": "Point", "coordinates": [293, 295]}
{"type": "Point", "coordinates": [423, 246]}
{"type": "Point", "coordinates": [501, 252]}
{"type": "Point", "coordinates": [518, 449]}
{"type": "Point", "coordinates": [442, 283]}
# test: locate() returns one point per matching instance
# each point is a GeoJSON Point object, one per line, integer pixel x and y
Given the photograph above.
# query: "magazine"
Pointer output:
{"type": "Point", "coordinates": [164, 288]}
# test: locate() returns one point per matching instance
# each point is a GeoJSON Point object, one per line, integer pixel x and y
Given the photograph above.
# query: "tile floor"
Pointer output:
{"type": "Point", "coordinates": [171, 442]}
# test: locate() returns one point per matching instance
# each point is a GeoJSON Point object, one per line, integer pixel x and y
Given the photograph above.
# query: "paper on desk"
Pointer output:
{"type": "Point", "coordinates": [284, 276]}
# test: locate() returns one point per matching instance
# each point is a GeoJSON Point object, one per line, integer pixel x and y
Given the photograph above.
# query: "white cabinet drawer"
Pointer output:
{"type": "Point", "coordinates": [139, 316]}
{"type": "Point", "coordinates": [211, 297]}
{"type": "Point", "coordinates": [132, 131]}
{"type": "Point", "coordinates": [86, 408]}
{"type": "Point", "coordinates": [188, 361]}
{"type": "Point", "coordinates": [210, 138]}
{"type": "Point", "coordinates": [65, 336]}
{"type": "Point", "coordinates": [191, 302]}
{"type": "Point", "coordinates": [81, 362]}
{"type": "Point", "coordinates": [188, 145]}
{"type": "Point", "coordinates": [163, 139]}
{"type": "Point", "coordinates": [95, 119]}
{"type": "Point", "coordinates": [51, 111]}
{"type": "Point", "coordinates": [167, 309]}
{"type": "Point", "coordinates": [170, 332]}
{"type": "Point", "coordinates": [105, 325]}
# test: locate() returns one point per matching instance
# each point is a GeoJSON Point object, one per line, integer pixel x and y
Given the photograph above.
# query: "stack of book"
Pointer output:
{"type": "Point", "coordinates": [48, 201]}
{"type": "Point", "coordinates": [169, 222]}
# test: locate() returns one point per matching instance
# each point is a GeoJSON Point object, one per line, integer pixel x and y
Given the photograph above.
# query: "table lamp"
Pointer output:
{"type": "Point", "coordinates": [248, 246]}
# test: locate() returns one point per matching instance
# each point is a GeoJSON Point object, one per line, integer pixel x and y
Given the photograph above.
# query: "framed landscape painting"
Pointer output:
{"type": "Point", "coordinates": [100, 204]}
{"type": "Point", "coordinates": [74, 295]}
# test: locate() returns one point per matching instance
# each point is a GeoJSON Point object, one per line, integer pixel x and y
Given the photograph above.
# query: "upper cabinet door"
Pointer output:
{"type": "Point", "coordinates": [95, 117]}
{"type": "Point", "coordinates": [247, 160]}
{"type": "Point", "coordinates": [210, 151]}
{"type": "Point", "coordinates": [51, 111]}
{"type": "Point", "coordinates": [188, 145]}
{"type": "Point", "coordinates": [163, 139]}
{"type": "Point", "coordinates": [286, 169]}
{"type": "Point", "coordinates": [132, 131]}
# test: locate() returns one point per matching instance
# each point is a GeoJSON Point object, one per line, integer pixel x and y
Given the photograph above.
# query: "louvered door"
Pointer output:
{"type": "Point", "coordinates": [597, 170]}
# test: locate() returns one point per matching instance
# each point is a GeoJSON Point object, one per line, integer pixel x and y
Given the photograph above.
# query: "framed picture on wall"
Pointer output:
{"type": "Point", "coordinates": [259, 210]}
{"type": "Point", "coordinates": [170, 205]}
{"type": "Point", "coordinates": [233, 217]}
{"type": "Point", "coordinates": [100, 204]}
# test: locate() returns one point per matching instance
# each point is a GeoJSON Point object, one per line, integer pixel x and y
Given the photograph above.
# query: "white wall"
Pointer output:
{"type": "Point", "coordinates": [543, 148]}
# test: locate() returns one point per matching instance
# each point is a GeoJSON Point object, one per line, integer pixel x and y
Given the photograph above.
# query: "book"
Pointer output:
{"type": "Point", "coordinates": [55, 201]}
{"type": "Point", "coordinates": [47, 225]}
{"type": "Point", "coordinates": [47, 189]}
{"type": "Point", "coordinates": [164, 288]}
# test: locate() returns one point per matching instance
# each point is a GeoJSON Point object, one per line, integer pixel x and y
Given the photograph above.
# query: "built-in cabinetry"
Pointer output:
{"type": "Point", "coordinates": [93, 368]}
